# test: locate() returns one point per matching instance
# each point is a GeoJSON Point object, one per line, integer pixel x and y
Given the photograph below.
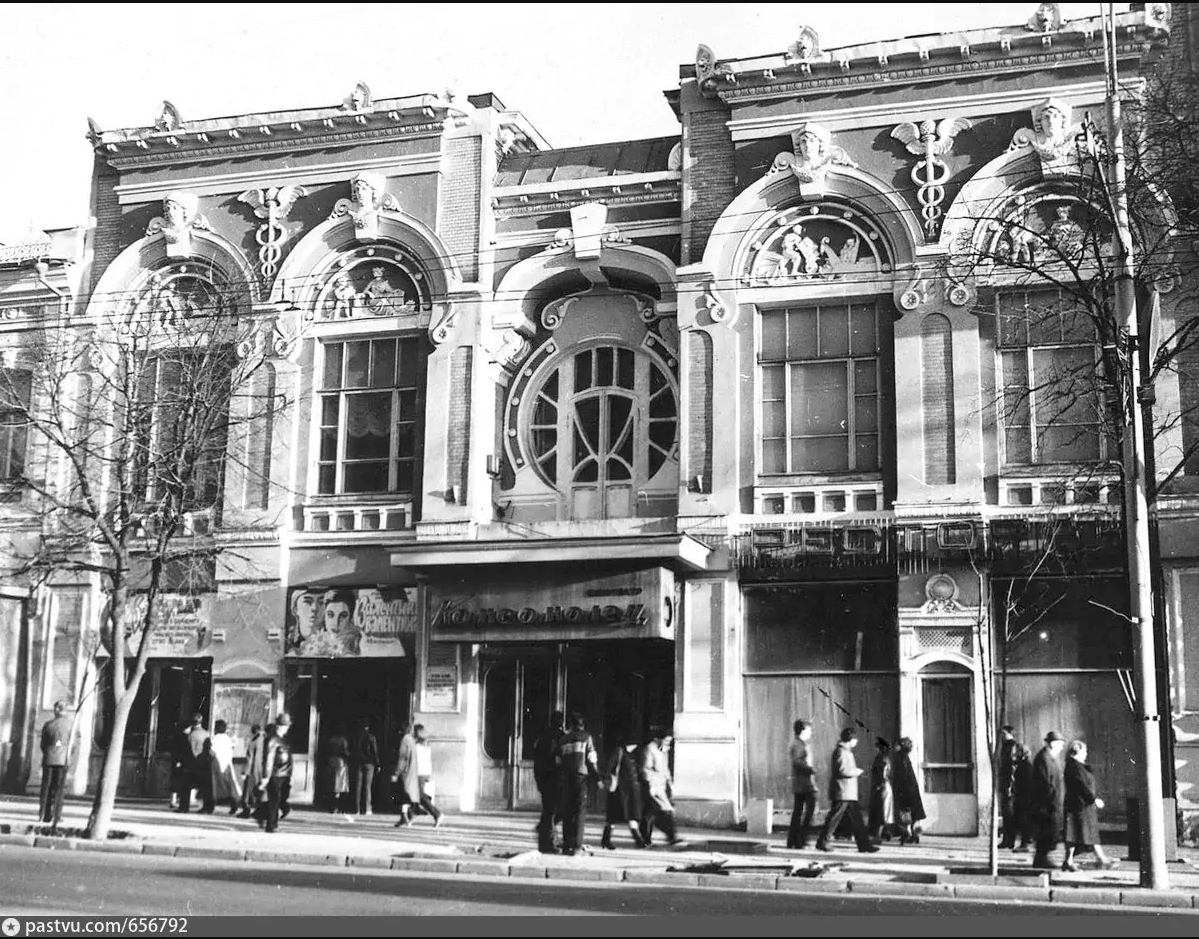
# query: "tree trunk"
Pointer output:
{"type": "Point", "coordinates": [110, 774]}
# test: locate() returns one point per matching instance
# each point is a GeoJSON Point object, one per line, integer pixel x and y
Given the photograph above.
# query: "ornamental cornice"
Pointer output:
{"type": "Point", "coordinates": [745, 89]}
{"type": "Point", "coordinates": [271, 143]}
{"type": "Point", "coordinates": [670, 192]}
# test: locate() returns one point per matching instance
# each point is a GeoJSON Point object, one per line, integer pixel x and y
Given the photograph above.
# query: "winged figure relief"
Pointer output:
{"type": "Point", "coordinates": [278, 198]}
{"type": "Point", "coordinates": [930, 137]}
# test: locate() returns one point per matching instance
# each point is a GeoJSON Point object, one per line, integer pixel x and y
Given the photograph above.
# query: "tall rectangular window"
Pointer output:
{"type": "Point", "coordinates": [15, 391]}
{"type": "Point", "coordinates": [369, 417]}
{"type": "Point", "coordinates": [1051, 397]}
{"type": "Point", "coordinates": [820, 389]}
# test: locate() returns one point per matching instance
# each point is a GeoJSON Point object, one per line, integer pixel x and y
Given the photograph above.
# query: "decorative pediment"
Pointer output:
{"type": "Point", "coordinates": [824, 242]}
{"type": "Point", "coordinates": [370, 282]}
{"type": "Point", "coordinates": [181, 215]}
{"type": "Point", "coordinates": [369, 198]}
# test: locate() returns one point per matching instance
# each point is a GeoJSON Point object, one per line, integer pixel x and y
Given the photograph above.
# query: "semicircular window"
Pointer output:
{"type": "Point", "coordinates": [602, 424]}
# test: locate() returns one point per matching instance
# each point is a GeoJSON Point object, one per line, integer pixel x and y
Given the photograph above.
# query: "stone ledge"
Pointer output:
{"type": "Point", "coordinates": [740, 881]}
{"type": "Point", "coordinates": [583, 873]}
{"type": "Point", "coordinates": [55, 844]}
{"type": "Point", "coordinates": [160, 850]}
{"type": "Point", "coordinates": [111, 847]}
{"type": "Point", "coordinates": [210, 854]}
{"type": "Point", "coordinates": [1085, 895]}
{"type": "Point", "coordinates": [660, 878]}
{"type": "Point", "coordinates": [1000, 892]}
{"type": "Point", "coordinates": [812, 885]}
{"type": "Point", "coordinates": [25, 840]}
{"type": "Point", "coordinates": [530, 871]}
{"type": "Point", "coordinates": [492, 868]}
{"type": "Point", "coordinates": [1155, 898]}
{"type": "Point", "coordinates": [424, 865]}
{"type": "Point", "coordinates": [891, 888]}
{"type": "Point", "coordinates": [297, 857]}
{"type": "Point", "coordinates": [377, 863]}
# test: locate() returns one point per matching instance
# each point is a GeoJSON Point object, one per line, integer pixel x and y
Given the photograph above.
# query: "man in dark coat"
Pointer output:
{"type": "Point", "coordinates": [549, 782]}
{"type": "Point", "coordinates": [1008, 748]}
{"type": "Point", "coordinates": [578, 762]}
{"type": "Point", "coordinates": [1047, 796]}
{"type": "Point", "coordinates": [843, 794]}
{"type": "Point", "coordinates": [56, 739]}
{"type": "Point", "coordinates": [366, 761]}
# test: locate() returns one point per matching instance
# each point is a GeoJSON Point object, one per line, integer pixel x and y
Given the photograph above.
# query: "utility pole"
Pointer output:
{"type": "Point", "coordinates": [1136, 504]}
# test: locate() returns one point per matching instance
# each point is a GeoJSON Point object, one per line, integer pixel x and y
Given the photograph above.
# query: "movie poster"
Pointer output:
{"type": "Point", "coordinates": [351, 622]}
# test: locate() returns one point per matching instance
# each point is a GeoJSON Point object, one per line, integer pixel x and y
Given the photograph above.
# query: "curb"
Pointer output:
{"type": "Point", "coordinates": [1073, 896]}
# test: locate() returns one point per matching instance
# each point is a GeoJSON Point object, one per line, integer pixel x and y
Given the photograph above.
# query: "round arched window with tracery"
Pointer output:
{"type": "Point", "coordinates": [600, 423]}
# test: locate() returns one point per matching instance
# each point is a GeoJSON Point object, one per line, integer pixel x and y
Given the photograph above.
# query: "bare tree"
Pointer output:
{"type": "Point", "coordinates": [132, 410]}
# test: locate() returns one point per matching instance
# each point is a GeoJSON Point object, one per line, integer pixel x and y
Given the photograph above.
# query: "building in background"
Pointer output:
{"type": "Point", "coordinates": [705, 431]}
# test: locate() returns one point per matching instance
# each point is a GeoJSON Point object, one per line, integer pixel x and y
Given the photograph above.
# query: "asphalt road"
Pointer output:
{"type": "Point", "coordinates": [35, 880]}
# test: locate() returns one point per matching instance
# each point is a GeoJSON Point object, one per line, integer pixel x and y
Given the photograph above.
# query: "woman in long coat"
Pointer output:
{"type": "Point", "coordinates": [406, 775]}
{"type": "Point", "coordinates": [882, 801]}
{"type": "Point", "coordinates": [619, 779]}
{"type": "Point", "coordinates": [338, 769]}
{"type": "Point", "coordinates": [909, 806]}
{"type": "Point", "coordinates": [1082, 807]}
{"type": "Point", "coordinates": [225, 787]}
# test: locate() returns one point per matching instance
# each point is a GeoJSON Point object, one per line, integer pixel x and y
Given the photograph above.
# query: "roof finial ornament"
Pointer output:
{"type": "Point", "coordinates": [805, 48]}
{"type": "Point", "coordinates": [93, 131]}
{"type": "Point", "coordinates": [168, 119]}
{"type": "Point", "coordinates": [359, 99]}
{"type": "Point", "coordinates": [1047, 19]}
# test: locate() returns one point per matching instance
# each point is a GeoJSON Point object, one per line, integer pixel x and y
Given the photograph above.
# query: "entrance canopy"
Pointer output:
{"type": "Point", "coordinates": [680, 553]}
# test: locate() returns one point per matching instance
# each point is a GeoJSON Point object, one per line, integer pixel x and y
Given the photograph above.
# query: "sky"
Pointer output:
{"type": "Point", "coordinates": [580, 72]}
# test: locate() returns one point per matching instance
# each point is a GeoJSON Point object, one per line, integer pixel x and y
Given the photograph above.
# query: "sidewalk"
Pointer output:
{"type": "Point", "coordinates": [502, 845]}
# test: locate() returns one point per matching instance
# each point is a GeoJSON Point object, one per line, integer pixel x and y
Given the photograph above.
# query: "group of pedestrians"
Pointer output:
{"type": "Point", "coordinates": [635, 779]}
{"type": "Point", "coordinates": [1049, 799]}
{"type": "Point", "coordinates": [894, 795]}
{"type": "Point", "coordinates": [351, 770]}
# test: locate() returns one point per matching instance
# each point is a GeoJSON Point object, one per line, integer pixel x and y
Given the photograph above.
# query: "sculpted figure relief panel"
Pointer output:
{"type": "Point", "coordinates": [372, 282]}
{"type": "Point", "coordinates": [824, 242]}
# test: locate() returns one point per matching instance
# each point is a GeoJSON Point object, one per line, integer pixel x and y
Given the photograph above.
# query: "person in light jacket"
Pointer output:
{"type": "Point", "coordinates": [882, 800]}
{"type": "Point", "coordinates": [843, 794]}
{"type": "Point", "coordinates": [225, 787]}
{"type": "Point", "coordinates": [654, 767]}
{"type": "Point", "coordinates": [405, 774]}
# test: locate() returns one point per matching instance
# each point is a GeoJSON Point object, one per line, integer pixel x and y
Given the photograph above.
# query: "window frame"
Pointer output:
{"type": "Point", "coordinates": [14, 423]}
{"type": "Point", "coordinates": [788, 364]}
{"type": "Point", "coordinates": [342, 393]}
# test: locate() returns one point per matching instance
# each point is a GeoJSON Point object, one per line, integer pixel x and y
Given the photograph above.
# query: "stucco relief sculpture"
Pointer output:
{"type": "Point", "coordinates": [512, 350]}
{"type": "Point", "coordinates": [813, 153]}
{"type": "Point", "coordinates": [941, 592]}
{"type": "Point", "coordinates": [379, 296]}
{"type": "Point", "coordinates": [820, 246]}
{"type": "Point", "coordinates": [708, 71]}
{"type": "Point", "coordinates": [368, 200]}
{"type": "Point", "coordinates": [168, 119]}
{"type": "Point", "coordinates": [1050, 137]}
{"type": "Point", "coordinates": [180, 217]}
{"type": "Point", "coordinates": [931, 139]}
{"type": "Point", "coordinates": [272, 206]}
{"type": "Point", "coordinates": [184, 297]}
{"type": "Point", "coordinates": [359, 99]}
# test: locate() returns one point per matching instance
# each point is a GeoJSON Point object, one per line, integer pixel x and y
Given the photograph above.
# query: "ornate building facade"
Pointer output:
{"type": "Point", "coordinates": [705, 431]}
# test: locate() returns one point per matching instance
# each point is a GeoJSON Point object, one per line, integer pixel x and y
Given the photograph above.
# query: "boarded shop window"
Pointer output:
{"type": "Point", "coordinates": [945, 702]}
{"type": "Point", "coordinates": [297, 701]}
{"type": "Point", "coordinates": [63, 662]}
{"type": "Point", "coordinates": [1064, 624]}
{"type": "Point", "coordinates": [705, 647]}
{"type": "Point", "coordinates": [822, 627]}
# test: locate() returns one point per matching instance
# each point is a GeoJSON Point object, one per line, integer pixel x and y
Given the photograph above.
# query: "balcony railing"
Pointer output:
{"type": "Point", "coordinates": [338, 515]}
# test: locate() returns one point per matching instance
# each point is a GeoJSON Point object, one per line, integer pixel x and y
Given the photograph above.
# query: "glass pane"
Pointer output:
{"type": "Point", "coordinates": [1077, 325]}
{"type": "Point", "coordinates": [330, 408]}
{"type": "Point", "coordinates": [587, 420]}
{"type": "Point", "coordinates": [325, 479]}
{"type": "Point", "coordinates": [774, 456]}
{"type": "Point", "coordinates": [1017, 445]}
{"type": "Point", "coordinates": [582, 371]}
{"type": "Point", "coordinates": [801, 334]}
{"type": "Point", "coordinates": [625, 361]}
{"type": "Point", "coordinates": [368, 426]}
{"type": "Point", "coordinates": [383, 364]}
{"type": "Point", "coordinates": [774, 335]}
{"type": "Point", "coordinates": [537, 697]}
{"type": "Point", "coordinates": [545, 412]}
{"type": "Point", "coordinates": [603, 367]}
{"type": "Point", "coordinates": [407, 405]}
{"type": "Point", "coordinates": [366, 477]}
{"type": "Point", "coordinates": [620, 412]}
{"type": "Point", "coordinates": [1067, 443]}
{"type": "Point", "coordinates": [617, 470]}
{"type": "Point", "coordinates": [865, 377]}
{"type": "Point", "coordinates": [819, 398]}
{"type": "Point", "coordinates": [774, 383]}
{"type": "Point", "coordinates": [866, 448]}
{"type": "Point", "coordinates": [550, 388]}
{"type": "Point", "coordinates": [662, 404]}
{"type": "Point", "coordinates": [405, 440]}
{"type": "Point", "coordinates": [408, 365]}
{"type": "Point", "coordinates": [819, 454]}
{"type": "Point", "coordinates": [332, 365]}
{"type": "Point", "coordinates": [329, 444]}
{"type": "Point", "coordinates": [774, 419]}
{"type": "Point", "coordinates": [406, 476]}
{"type": "Point", "coordinates": [834, 331]}
{"type": "Point", "coordinates": [662, 434]}
{"type": "Point", "coordinates": [866, 414]}
{"type": "Point", "coordinates": [499, 709]}
{"type": "Point", "coordinates": [544, 441]}
{"type": "Point", "coordinates": [1064, 382]}
{"type": "Point", "coordinates": [587, 471]}
{"type": "Point", "coordinates": [357, 362]}
{"type": "Point", "coordinates": [864, 337]}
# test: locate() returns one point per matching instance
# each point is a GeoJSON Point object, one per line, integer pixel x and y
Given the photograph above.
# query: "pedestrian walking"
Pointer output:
{"type": "Point", "coordinates": [1081, 804]}
{"type": "Point", "coordinates": [905, 785]}
{"type": "Point", "coordinates": [577, 763]}
{"type": "Point", "coordinates": [1008, 748]}
{"type": "Point", "coordinates": [405, 775]}
{"type": "Point", "coordinates": [803, 785]}
{"type": "Point", "coordinates": [56, 745]}
{"type": "Point", "coordinates": [424, 775]}
{"type": "Point", "coordinates": [882, 800]}
{"type": "Point", "coordinates": [366, 763]}
{"type": "Point", "coordinates": [196, 772]}
{"type": "Point", "coordinates": [658, 786]}
{"type": "Point", "coordinates": [623, 788]}
{"type": "Point", "coordinates": [255, 747]}
{"type": "Point", "coordinates": [181, 779]}
{"type": "Point", "coordinates": [1047, 799]}
{"type": "Point", "coordinates": [1021, 794]}
{"type": "Point", "coordinates": [224, 783]}
{"type": "Point", "coordinates": [549, 782]}
{"type": "Point", "coordinates": [204, 769]}
{"type": "Point", "coordinates": [276, 781]}
{"type": "Point", "coordinates": [337, 772]}
{"type": "Point", "coordinates": [843, 794]}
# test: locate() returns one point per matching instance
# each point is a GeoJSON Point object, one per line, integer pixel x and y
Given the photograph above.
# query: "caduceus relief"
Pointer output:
{"type": "Point", "coordinates": [930, 139]}
{"type": "Point", "coordinates": [272, 205]}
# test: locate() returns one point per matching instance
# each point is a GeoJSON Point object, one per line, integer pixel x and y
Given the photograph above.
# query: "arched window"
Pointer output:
{"type": "Point", "coordinates": [602, 424]}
